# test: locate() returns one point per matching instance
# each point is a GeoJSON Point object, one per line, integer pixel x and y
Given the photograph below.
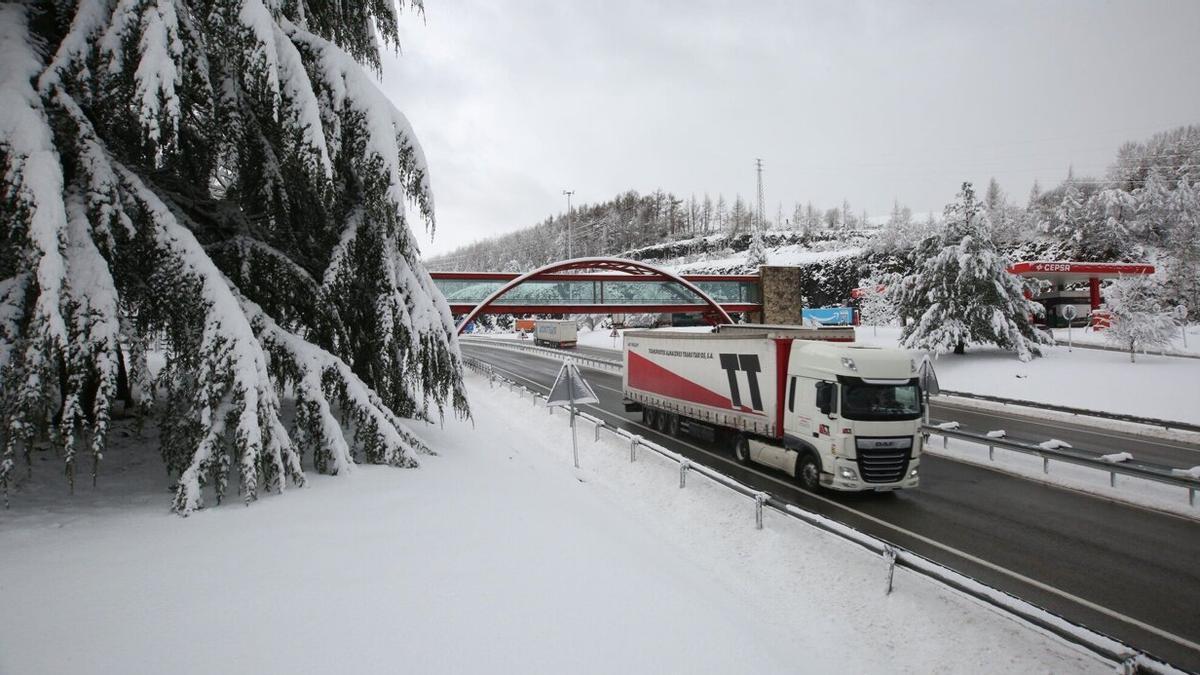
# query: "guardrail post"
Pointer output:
{"type": "Point", "coordinates": [889, 554]}
{"type": "Point", "coordinates": [684, 465]}
{"type": "Point", "coordinates": [945, 441]}
{"type": "Point", "coordinates": [633, 443]}
{"type": "Point", "coordinates": [1112, 479]}
{"type": "Point", "coordinates": [599, 426]}
{"type": "Point", "coordinates": [1191, 496]}
{"type": "Point", "coordinates": [759, 500]}
{"type": "Point", "coordinates": [1045, 464]}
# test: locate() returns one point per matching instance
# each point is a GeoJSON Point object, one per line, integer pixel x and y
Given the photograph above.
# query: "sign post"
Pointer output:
{"type": "Point", "coordinates": [570, 388]}
{"type": "Point", "coordinates": [614, 335]}
{"type": "Point", "coordinates": [929, 383]}
{"type": "Point", "coordinates": [1068, 313]}
{"type": "Point", "coordinates": [1181, 313]}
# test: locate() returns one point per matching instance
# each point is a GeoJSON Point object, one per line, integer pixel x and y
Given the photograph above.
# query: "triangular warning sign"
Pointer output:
{"type": "Point", "coordinates": [570, 388]}
{"type": "Point", "coordinates": [614, 333]}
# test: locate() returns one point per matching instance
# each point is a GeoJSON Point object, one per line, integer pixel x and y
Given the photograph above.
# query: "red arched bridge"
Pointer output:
{"type": "Point", "coordinates": [598, 286]}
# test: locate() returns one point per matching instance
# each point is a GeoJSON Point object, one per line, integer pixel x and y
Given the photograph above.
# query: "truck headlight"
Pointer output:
{"type": "Point", "coordinates": [848, 473]}
{"type": "Point", "coordinates": [912, 474]}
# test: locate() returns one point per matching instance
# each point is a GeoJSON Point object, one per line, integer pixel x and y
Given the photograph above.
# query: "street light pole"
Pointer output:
{"type": "Point", "coordinates": [568, 193]}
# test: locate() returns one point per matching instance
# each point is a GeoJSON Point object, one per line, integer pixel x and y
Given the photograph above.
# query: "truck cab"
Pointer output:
{"type": "Point", "coordinates": [852, 417]}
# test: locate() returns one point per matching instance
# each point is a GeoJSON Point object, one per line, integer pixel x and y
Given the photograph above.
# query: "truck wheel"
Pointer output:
{"type": "Point", "coordinates": [647, 417]}
{"type": "Point", "coordinates": [808, 472]}
{"type": "Point", "coordinates": [673, 424]}
{"type": "Point", "coordinates": [741, 449]}
{"type": "Point", "coordinates": [660, 422]}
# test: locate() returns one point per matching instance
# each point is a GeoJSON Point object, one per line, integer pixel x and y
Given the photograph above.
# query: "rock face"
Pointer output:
{"type": "Point", "coordinates": [782, 297]}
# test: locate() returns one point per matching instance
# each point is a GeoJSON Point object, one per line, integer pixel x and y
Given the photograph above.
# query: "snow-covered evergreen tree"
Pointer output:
{"type": "Point", "coordinates": [876, 307]}
{"type": "Point", "coordinates": [756, 253]}
{"type": "Point", "coordinates": [1138, 318]}
{"type": "Point", "coordinates": [962, 293]}
{"type": "Point", "coordinates": [223, 173]}
{"type": "Point", "coordinates": [1183, 243]}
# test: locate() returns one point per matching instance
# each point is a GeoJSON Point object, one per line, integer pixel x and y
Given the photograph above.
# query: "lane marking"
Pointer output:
{"type": "Point", "coordinates": [906, 532]}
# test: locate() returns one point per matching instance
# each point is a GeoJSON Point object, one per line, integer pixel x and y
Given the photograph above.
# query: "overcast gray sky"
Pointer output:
{"type": "Point", "coordinates": [869, 101]}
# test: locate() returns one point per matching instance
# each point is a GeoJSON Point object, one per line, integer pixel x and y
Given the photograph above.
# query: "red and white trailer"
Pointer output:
{"type": "Point", "coordinates": [842, 416]}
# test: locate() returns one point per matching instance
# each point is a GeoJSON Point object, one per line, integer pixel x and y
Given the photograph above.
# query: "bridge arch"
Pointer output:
{"type": "Point", "coordinates": [632, 267]}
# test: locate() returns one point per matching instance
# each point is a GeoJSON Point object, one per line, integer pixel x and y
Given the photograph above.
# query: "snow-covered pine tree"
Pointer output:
{"type": "Point", "coordinates": [756, 253]}
{"type": "Point", "coordinates": [876, 307]}
{"type": "Point", "coordinates": [1183, 244]}
{"type": "Point", "coordinates": [224, 174]}
{"type": "Point", "coordinates": [1138, 319]}
{"type": "Point", "coordinates": [962, 291]}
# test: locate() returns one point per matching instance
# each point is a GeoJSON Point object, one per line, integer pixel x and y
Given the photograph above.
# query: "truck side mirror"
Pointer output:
{"type": "Point", "coordinates": [824, 396]}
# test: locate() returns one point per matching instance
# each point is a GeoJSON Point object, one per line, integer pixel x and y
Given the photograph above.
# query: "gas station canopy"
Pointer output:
{"type": "Point", "coordinates": [1059, 272]}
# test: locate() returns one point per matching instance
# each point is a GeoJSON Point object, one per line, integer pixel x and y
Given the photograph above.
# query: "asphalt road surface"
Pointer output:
{"type": "Point", "coordinates": [1131, 573]}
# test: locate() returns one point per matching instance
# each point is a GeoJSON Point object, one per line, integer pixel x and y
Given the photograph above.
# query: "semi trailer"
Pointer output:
{"type": "Point", "coordinates": [835, 415]}
{"type": "Point", "coordinates": [555, 333]}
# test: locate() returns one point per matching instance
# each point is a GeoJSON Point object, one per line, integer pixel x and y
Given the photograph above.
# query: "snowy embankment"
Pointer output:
{"type": "Point", "coordinates": [494, 556]}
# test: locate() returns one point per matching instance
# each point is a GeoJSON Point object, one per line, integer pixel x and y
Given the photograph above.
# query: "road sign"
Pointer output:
{"type": "Point", "coordinates": [1068, 312]}
{"type": "Point", "coordinates": [569, 389]}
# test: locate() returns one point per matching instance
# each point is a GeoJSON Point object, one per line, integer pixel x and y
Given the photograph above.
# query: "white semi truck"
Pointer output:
{"type": "Point", "coordinates": [842, 416]}
{"type": "Point", "coordinates": [555, 333]}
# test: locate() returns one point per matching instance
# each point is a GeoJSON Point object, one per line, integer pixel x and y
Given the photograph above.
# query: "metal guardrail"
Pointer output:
{"type": "Point", "coordinates": [605, 364]}
{"type": "Point", "coordinates": [1157, 473]}
{"type": "Point", "coordinates": [580, 359]}
{"type": "Point", "coordinates": [1151, 421]}
{"type": "Point", "coordinates": [1142, 470]}
{"type": "Point", "coordinates": [1128, 659]}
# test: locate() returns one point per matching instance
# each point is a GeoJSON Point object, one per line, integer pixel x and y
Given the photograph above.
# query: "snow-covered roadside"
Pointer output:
{"type": "Point", "coordinates": [494, 556]}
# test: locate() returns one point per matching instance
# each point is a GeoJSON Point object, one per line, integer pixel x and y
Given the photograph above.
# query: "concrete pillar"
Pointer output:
{"type": "Point", "coordinates": [781, 297]}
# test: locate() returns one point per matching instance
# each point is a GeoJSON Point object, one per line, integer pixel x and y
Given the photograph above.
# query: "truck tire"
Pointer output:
{"type": "Point", "coordinates": [808, 472]}
{"type": "Point", "coordinates": [673, 424]}
{"type": "Point", "coordinates": [660, 421]}
{"type": "Point", "coordinates": [648, 417]}
{"type": "Point", "coordinates": [741, 449]}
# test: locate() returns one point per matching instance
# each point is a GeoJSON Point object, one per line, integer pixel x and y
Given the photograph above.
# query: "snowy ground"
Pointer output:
{"type": "Point", "coordinates": [1086, 336]}
{"type": "Point", "coordinates": [495, 556]}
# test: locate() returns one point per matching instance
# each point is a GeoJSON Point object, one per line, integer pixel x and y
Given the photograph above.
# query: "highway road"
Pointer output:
{"type": "Point", "coordinates": [1034, 430]}
{"type": "Point", "coordinates": [1131, 573]}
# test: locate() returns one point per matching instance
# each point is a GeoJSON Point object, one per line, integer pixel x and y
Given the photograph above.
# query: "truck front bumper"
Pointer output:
{"type": "Point", "coordinates": [845, 478]}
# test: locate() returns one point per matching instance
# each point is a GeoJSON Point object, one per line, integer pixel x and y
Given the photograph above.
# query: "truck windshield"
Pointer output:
{"type": "Point", "coordinates": [862, 401]}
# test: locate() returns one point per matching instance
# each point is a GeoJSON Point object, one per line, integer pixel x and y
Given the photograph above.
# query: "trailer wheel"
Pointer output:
{"type": "Point", "coordinates": [808, 472]}
{"type": "Point", "coordinates": [741, 449]}
{"type": "Point", "coordinates": [661, 421]}
{"type": "Point", "coordinates": [673, 424]}
{"type": "Point", "coordinates": [648, 416]}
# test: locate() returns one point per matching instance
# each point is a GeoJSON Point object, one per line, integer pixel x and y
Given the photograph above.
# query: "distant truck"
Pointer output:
{"type": "Point", "coordinates": [841, 416]}
{"type": "Point", "coordinates": [555, 333]}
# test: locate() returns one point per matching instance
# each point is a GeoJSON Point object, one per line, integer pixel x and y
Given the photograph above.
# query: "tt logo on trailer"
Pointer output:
{"type": "Point", "coordinates": [731, 364]}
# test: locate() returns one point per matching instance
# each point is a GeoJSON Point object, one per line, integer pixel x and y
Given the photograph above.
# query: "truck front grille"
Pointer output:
{"type": "Point", "coordinates": [883, 460]}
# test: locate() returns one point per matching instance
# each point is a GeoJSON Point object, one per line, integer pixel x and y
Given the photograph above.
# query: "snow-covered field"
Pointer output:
{"type": "Point", "coordinates": [1163, 387]}
{"type": "Point", "coordinates": [495, 556]}
{"type": "Point", "coordinates": [1086, 336]}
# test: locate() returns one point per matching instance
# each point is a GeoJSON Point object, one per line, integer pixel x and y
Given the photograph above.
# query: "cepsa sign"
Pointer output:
{"type": "Point", "coordinates": [1052, 267]}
